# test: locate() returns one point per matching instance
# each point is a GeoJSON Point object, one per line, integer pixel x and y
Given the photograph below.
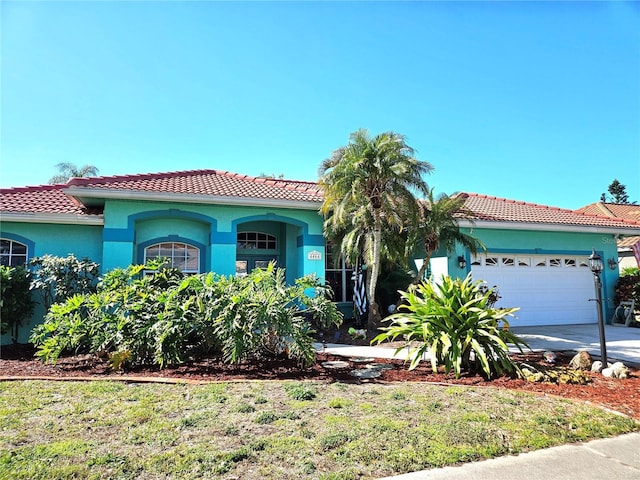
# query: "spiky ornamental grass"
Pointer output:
{"type": "Point", "coordinates": [455, 326]}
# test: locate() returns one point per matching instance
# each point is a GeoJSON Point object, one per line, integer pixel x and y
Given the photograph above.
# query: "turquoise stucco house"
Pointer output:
{"type": "Point", "coordinates": [211, 220]}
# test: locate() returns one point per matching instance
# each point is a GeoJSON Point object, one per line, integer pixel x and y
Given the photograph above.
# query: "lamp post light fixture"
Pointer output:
{"type": "Point", "coordinates": [462, 262]}
{"type": "Point", "coordinates": [596, 266]}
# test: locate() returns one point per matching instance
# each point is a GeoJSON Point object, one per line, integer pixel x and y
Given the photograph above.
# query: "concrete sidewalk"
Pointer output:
{"type": "Point", "coordinates": [623, 343]}
{"type": "Point", "coordinates": [604, 459]}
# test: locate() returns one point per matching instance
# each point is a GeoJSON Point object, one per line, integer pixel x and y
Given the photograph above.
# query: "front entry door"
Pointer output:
{"type": "Point", "coordinates": [246, 264]}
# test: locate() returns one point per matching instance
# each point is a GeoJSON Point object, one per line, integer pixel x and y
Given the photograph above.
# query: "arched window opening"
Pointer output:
{"type": "Point", "coordinates": [184, 257]}
{"type": "Point", "coordinates": [256, 241]}
{"type": "Point", "coordinates": [12, 253]}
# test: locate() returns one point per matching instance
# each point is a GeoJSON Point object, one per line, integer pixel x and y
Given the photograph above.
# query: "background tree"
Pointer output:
{"type": "Point", "coordinates": [618, 194]}
{"type": "Point", "coordinates": [69, 170]}
{"type": "Point", "coordinates": [368, 188]}
{"type": "Point", "coordinates": [438, 227]}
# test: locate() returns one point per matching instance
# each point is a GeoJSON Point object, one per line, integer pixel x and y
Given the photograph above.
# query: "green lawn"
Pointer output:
{"type": "Point", "coordinates": [273, 430]}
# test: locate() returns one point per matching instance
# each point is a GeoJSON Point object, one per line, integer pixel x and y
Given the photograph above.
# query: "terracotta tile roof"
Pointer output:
{"type": "Point", "coordinates": [52, 198]}
{"type": "Point", "coordinates": [628, 242]}
{"type": "Point", "coordinates": [630, 212]}
{"type": "Point", "coordinates": [41, 199]}
{"type": "Point", "coordinates": [496, 209]}
{"type": "Point", "coordinates": [207, 182]}
{"type": "Point", "coordinates": [616, 210]}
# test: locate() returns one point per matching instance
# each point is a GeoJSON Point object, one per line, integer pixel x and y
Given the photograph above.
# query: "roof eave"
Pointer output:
{"type": "Point", "coordinates": [57, 218]}
{"type": "Point", "coordinates": [84, 194]}
{"type": "Point", "coordinates": [549, 227]}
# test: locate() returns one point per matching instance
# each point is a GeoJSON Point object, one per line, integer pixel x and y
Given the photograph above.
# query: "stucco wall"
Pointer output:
{"type": "Point", "coordinates": [54, 239]}
{"type": "Point", "coordinates": [128, 224]}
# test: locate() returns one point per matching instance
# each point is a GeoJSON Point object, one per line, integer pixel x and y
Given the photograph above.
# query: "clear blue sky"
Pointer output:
{"type": "Point", "coordinates": [531, 101]}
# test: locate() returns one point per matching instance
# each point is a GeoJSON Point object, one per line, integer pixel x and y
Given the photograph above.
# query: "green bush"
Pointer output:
{"type": "Point", "coordinates": [15, 300]}
{"type": "Point", "coordinates": [58, 278]}
{"type": "Point", "coordinates": [259, 316]}
{"type": "Point", "coordinates": [454, 325]}
{"type": "Point", "coordinates": [628, 288]}
{"type": "Point", "coordinates": [138, 314]}
{"type": "Point", "coordinates": [153, 314]}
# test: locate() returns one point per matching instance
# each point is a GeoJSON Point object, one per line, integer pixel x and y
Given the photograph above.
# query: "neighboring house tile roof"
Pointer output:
{"type": "Point", "coordinates": [216, 183]}
{"type": "Point", "coordinates": [616, 210]}
{"type": "Point", "coordinates": [496, 209]}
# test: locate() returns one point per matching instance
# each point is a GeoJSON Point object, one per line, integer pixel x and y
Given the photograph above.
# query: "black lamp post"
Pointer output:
{"type": "Point", "coordinates": [596, 265]}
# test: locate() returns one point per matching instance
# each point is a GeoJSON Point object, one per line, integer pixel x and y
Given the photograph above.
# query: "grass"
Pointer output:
{"type": "Point", "coordinates": [275, 430]}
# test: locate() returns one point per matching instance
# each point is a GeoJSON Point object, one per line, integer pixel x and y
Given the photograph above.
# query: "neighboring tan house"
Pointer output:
{"type": "Point", "coordinates": [626, 257]}
{"type": "Point", "coordinates": [210, 220]}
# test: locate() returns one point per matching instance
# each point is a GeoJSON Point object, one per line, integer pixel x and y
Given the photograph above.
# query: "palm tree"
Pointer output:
{"type": "Point", "coordinates": [368, 188]}
{"type": "Point", "coordinates": [70, 170]}
{"type": "Point", "coordinates": [438, 227]}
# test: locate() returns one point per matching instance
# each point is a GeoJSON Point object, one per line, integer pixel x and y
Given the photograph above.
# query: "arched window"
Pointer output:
{"type": "Point", "coordinates": [184, 257]}
{"type": "Point", "coordinates": [256, 241]}
{"type": "Point", "coordinates": [12, 253]}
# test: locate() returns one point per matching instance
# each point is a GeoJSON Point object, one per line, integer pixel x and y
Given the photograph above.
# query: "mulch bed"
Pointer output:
{"type": "Point", "coordinates": [620, 395]}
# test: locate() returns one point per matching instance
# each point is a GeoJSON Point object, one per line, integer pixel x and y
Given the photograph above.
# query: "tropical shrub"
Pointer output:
{"type": "Point", "coordinates": [138, 314]}
{"type": "Point", "coordinates": [153, 314]}
{"type": "Point", "coordinates": [628, 288]}
{"type": "Point", "coordinates": [15, 300]}
{"type": "Point", "coordinates": [453, 324]}
{"type": "Point", "coordinates": [58, 278]}
{"type": "Point", "coordinates": [259, 316]}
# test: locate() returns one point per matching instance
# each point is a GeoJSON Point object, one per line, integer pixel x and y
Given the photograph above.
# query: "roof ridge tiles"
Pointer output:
{"type": "Point", "coordinates": [141, 176]}
{"type": "Point", "coordinates": [32, 188]}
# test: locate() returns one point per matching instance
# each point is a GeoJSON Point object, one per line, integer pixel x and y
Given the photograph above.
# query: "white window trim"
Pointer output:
{"type": "Point", "coordinates": [12, 255]}
{"type": "Point", "coordinates": [173, 257]}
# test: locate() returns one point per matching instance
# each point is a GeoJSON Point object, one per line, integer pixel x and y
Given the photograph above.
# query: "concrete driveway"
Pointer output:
{"type": "Point", "coordinates": [623, 343]}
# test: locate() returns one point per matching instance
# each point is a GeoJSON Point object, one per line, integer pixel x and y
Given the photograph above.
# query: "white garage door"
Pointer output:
{"type": "Point", "coordinates": [550, 290]}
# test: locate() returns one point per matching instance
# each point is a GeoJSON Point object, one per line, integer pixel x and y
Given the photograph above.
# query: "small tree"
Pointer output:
{"type": "Point", "coordinates": [57, 278]}
{"type": "Point", "coordinates": [69, 170]}
{"type": "Point", "coordinates": [618, 194]}
{"type": "Point", "coordinates": [369, 188]}
{"type": "Point", "coordinates": [15, 303]}
{"type": "Point", "coordinates": [438, 227]}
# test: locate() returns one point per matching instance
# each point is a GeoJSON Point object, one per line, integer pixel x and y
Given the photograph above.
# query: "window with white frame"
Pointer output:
{"type": "Point", "coordinates": [257, 241]}
{"type": "Point", "coordinates": [338, 277]}
{"type": "Point", "coordinates": [12, 253]}
{"type": "Point", "coordinates": [183, 256]}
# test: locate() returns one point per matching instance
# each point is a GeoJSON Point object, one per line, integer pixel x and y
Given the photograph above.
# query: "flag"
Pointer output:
{"type": "Point", "coordinates": [636, 251]}
{"type": "Point", "coordinates": [359, 295]}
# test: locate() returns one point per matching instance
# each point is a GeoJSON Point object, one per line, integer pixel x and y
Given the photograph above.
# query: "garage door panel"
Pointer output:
{"type": "Point", "coordinates": [549, 290]}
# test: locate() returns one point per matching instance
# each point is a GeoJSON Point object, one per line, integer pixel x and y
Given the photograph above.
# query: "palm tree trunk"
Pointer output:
{"type": "Point", "coordinates": [425, 264]}
{"type": "Point", "coordinates": [374, 272]}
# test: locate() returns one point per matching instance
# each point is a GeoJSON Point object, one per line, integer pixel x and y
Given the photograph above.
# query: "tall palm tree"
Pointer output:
{"type": "Point", "coordinates": [368, 188]}
{"type": "Point", "coordinates": [438, 227]}
{"type": "Point", "coordinates": [69, 170]}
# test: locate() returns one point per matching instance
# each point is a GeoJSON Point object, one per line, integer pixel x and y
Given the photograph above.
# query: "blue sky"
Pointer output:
{"type": "Point", "coordinates": [531, 101]}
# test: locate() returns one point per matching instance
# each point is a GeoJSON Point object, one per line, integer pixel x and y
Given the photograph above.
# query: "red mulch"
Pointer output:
{"type": "Point", "coordinates": [621, 395]}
